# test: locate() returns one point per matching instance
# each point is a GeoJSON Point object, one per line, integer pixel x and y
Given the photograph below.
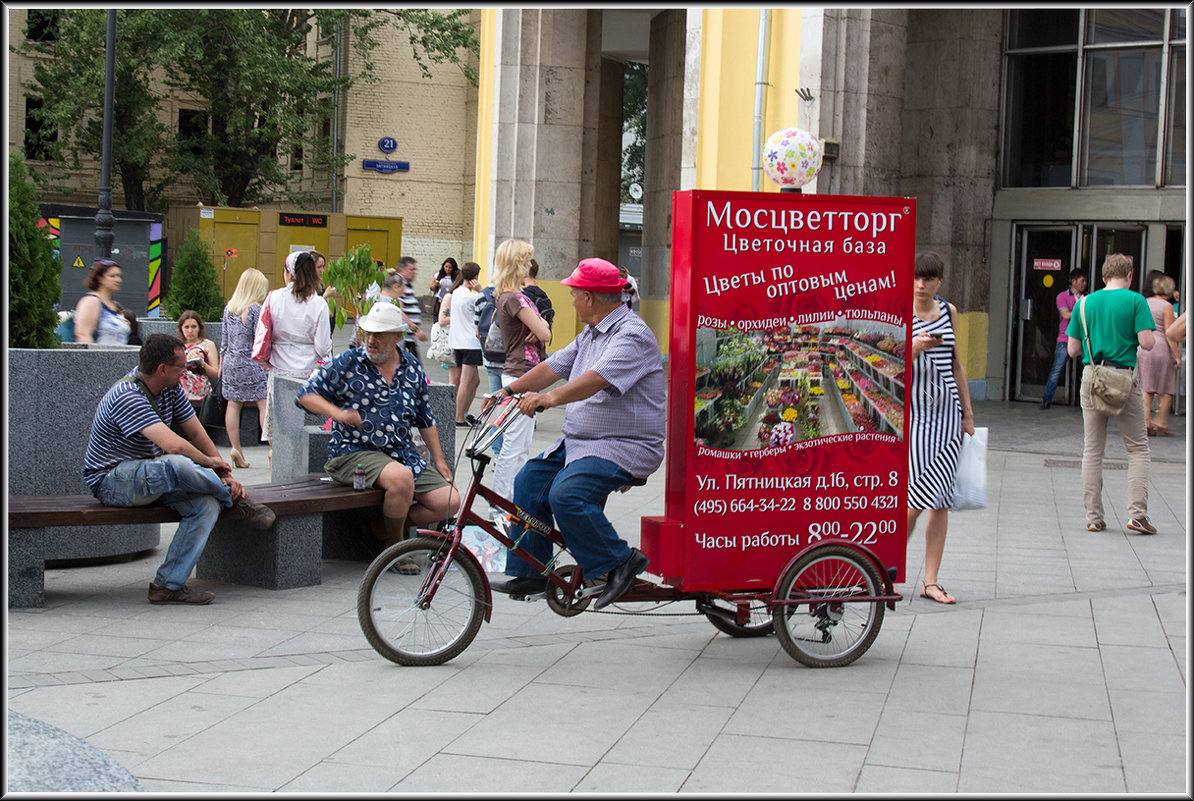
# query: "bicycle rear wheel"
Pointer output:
{"type": "Point", "coordinates": [390, 603]}
{"type": "Point", "coordinates": [832, 631]}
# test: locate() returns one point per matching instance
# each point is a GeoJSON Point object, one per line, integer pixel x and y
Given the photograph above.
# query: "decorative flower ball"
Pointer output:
{"type": "Point", "coordinates": [792, 157]}
{"type": "Point", "coordinates": [783, 434]}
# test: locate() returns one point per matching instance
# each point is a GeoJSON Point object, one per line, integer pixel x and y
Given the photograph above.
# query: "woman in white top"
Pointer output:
{"type": "Point", "coordinates": [302, 336]}
{"type": "Point", "coordinates": [457, 314]}
{"type": "Point", "coordinates": [97, 314]}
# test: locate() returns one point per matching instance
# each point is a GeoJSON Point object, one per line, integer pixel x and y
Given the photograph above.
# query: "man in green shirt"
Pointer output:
{"type": "Point", "coordinates": [1119, 321]}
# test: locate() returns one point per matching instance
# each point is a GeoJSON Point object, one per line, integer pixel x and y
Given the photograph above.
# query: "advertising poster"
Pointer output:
{"type": "Point", "coordinates": [790, 321]}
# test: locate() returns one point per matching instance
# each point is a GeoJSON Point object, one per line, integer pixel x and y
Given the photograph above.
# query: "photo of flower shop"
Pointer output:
{"type": "Point", "coordinates": [774, 388]}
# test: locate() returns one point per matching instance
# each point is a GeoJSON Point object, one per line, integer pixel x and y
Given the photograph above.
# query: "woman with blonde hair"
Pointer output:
{"type": "Point", "coordinates": [1158, 366]}
{"type": "Point", "coordinates": [242, 380]}
{"type": "Point", "coordinates": [524, 333]}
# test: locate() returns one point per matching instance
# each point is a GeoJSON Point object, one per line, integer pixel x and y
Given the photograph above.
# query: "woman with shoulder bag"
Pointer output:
{"type": "Point", "coordinates": [300, 334]}
{"type": "Point", "coordinates": [524, 334]}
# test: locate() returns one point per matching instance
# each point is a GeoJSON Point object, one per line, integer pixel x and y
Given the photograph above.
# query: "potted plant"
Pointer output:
{"type": "Point", "coordinates": [352, 275]}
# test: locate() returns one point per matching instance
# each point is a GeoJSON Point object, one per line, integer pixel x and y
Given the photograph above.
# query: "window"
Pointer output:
{"type": "Point", "coordinates": [192, 130]}
{"type": "Point", "coordinates": [41, 25]}
{"type": "Point", "coordinates": [296, 159]}
{"type": "Point", "coordinates": [1094, 97]}
{"type": "Point", "coordinates": [1175, 134]}
{"type": "Point", "coordinates": [40, 136]}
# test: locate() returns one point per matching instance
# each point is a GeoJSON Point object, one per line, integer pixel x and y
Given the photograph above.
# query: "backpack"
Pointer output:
{"type": "Point", "coordinates": [66, 328]}
{"type": "Point", "coordinates": [492, 346]}
{"type": "Point", "coordinates": [542, 302]}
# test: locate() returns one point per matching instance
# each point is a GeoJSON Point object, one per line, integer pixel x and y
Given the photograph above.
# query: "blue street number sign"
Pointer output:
{"type": "Point", "coordinates": [387, 144]}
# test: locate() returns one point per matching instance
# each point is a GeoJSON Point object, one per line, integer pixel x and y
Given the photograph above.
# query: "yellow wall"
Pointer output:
{"type": "Point", "coordinates": [971, 331]}
{"type": "Point", "coordinates": [261, 242]}
{"type": "Point", "coordinates": [482, 197]}
{"type": "Point", "coordinates": [725, 119]}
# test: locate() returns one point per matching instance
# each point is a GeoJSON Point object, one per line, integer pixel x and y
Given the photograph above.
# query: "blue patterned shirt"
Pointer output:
{"type": "Point", "coordinates": [388, 411]}
{"type": "Point", "coordinates": [625, 422]}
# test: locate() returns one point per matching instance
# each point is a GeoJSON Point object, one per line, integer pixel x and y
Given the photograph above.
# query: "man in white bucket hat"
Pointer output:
{"type": "Point", "coordinates": [376, 394]}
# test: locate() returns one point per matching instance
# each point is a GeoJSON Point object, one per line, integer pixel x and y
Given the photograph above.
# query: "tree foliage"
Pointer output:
{"type": "Point", "coordinates": [70, 85]}
{"type": "Point", "coordinates": [634, 121]}
{"type": "Point", "coordinates": [351, 275]}
{"type": "Point", "coordinates": [251, 73]}
{"type": "Point", "coordinates": [33, 288]}
{"type": "Point", "coordinates": [193, 281]}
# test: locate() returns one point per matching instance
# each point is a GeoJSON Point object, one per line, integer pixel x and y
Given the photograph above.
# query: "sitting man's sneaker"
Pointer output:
{"type": "Point", "coordinates": [521, 586]}
{"type": "Point", "coordinates": [257, 515]}
{"type": "Point", "coordinates": [1142, 525]}
{"type": "Point", "coordinates": [162, 595]}
{"type": "Point", "coordinates": [618, 580]}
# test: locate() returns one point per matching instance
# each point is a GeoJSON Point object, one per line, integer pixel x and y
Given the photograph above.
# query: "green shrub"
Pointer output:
{"type": "Point", "coordinates": [33, 288]}
{"type": "Point", "coordinates": [193, 281]}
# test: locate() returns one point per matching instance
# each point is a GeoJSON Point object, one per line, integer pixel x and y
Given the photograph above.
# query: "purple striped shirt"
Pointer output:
{"type": "Point", "coordinates": [626, 421]}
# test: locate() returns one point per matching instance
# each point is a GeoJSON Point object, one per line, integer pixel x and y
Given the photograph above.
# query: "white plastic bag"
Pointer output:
{"type": "Point", "coordinates": [971, 490]}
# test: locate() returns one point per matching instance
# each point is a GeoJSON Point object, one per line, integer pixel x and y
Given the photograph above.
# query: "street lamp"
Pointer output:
{"type": "Point", "coordinates": [104, 236]}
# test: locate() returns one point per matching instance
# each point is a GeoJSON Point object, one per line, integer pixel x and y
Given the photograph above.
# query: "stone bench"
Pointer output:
{"type": "Point", "coordinates": [309, 511]}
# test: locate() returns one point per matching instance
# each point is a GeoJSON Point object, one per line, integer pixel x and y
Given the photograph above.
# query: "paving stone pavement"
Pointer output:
{"type": "Point", "coordinates": [1063, 668]}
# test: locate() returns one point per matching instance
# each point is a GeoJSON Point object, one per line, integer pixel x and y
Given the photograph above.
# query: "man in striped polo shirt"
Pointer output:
{"type": "Point", "coordinates": [410, 303]}
{"type": "Point", "coordinates": [612, 435]}
{"type": "Point", "coordinates": [134, 458]}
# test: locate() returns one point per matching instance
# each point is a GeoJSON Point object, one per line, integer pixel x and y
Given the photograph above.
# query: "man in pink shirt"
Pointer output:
{"type": "Point", "coordinates": [1066, 300]}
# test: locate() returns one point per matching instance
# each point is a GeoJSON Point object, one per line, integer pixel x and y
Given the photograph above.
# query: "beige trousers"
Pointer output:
{"type": "Point", "coordinates": [1135, 437]}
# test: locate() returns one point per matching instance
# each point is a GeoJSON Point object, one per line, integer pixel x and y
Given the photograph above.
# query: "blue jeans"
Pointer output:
{"type": "Point", "coordinates": [573, 495]}
{"type": "Point", "coordinates": [1060, 356]}
{"type": "Point", "coordinates": [494, 375]}
{"type": "Point", "coordinates": [194, 492]}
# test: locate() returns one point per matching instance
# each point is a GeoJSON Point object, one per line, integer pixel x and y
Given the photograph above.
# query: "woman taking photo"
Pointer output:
{"type": "Point", "coordinates": [457, 315]}
{"type": "Point", "coordinates": [242, 380]}
{"type": "Point", "coordinates": [940, 414]}
{"type": "Point", "coordinates": [524, 333]}
{"type": "Point", "coordinates": [203, 363]}
{"type": "Point", "coordinates": [98, 317]}
{"type": "Point", "coordinates": [302, 336]}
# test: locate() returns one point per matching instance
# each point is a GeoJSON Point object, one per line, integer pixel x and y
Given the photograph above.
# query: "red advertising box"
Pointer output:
{"type": "Point", "coordinates": [791, 315]}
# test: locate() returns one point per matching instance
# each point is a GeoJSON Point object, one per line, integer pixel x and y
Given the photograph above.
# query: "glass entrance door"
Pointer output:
{"type": "Point", "coordinates": [1046, 254]}
{"type": "Point", "coordinates": [1125, 239]}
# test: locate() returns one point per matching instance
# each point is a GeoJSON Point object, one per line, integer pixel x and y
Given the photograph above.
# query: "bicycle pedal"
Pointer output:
{"type": "Point", "coordinates": [535, 596]}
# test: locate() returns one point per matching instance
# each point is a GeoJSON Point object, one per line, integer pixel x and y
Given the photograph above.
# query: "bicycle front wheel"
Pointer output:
{"type": "Point", "coordinates": [392, 610]}
{"type": "Point", "coordinates": [830, 630]}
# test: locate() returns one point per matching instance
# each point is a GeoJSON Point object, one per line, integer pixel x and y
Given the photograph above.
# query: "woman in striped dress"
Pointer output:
{"type": "Point", "coordinates": [940, 413]}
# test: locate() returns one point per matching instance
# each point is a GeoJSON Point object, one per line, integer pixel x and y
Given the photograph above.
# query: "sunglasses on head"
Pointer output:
{"type": "Point", "coordinates": [107, 263]}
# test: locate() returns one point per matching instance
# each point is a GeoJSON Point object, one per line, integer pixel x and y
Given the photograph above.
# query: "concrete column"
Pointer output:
{"type": "Point", "coordinates": [666, 90]}
{"type": "Point", "coordinates": [548, 135]}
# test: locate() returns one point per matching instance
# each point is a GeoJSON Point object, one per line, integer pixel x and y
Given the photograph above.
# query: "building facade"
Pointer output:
{"type": "Point", "coordinates": [1034, 141]}
{"type": "Point", "coordinates": [432, 123]}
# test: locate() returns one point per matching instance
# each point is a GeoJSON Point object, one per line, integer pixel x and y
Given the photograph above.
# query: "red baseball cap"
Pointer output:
{"type": "Point", "coordinates": [596, 274]}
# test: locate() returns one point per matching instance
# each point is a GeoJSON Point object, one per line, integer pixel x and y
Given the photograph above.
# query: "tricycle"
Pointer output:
{"type": "Point", "coordinates": [825, 606]}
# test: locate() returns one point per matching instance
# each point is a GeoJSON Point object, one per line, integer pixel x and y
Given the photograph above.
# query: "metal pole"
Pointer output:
{"type": "Point", "coordinates": [104, 236]}
{"type": "Point", "coordinates": [756, 169]}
